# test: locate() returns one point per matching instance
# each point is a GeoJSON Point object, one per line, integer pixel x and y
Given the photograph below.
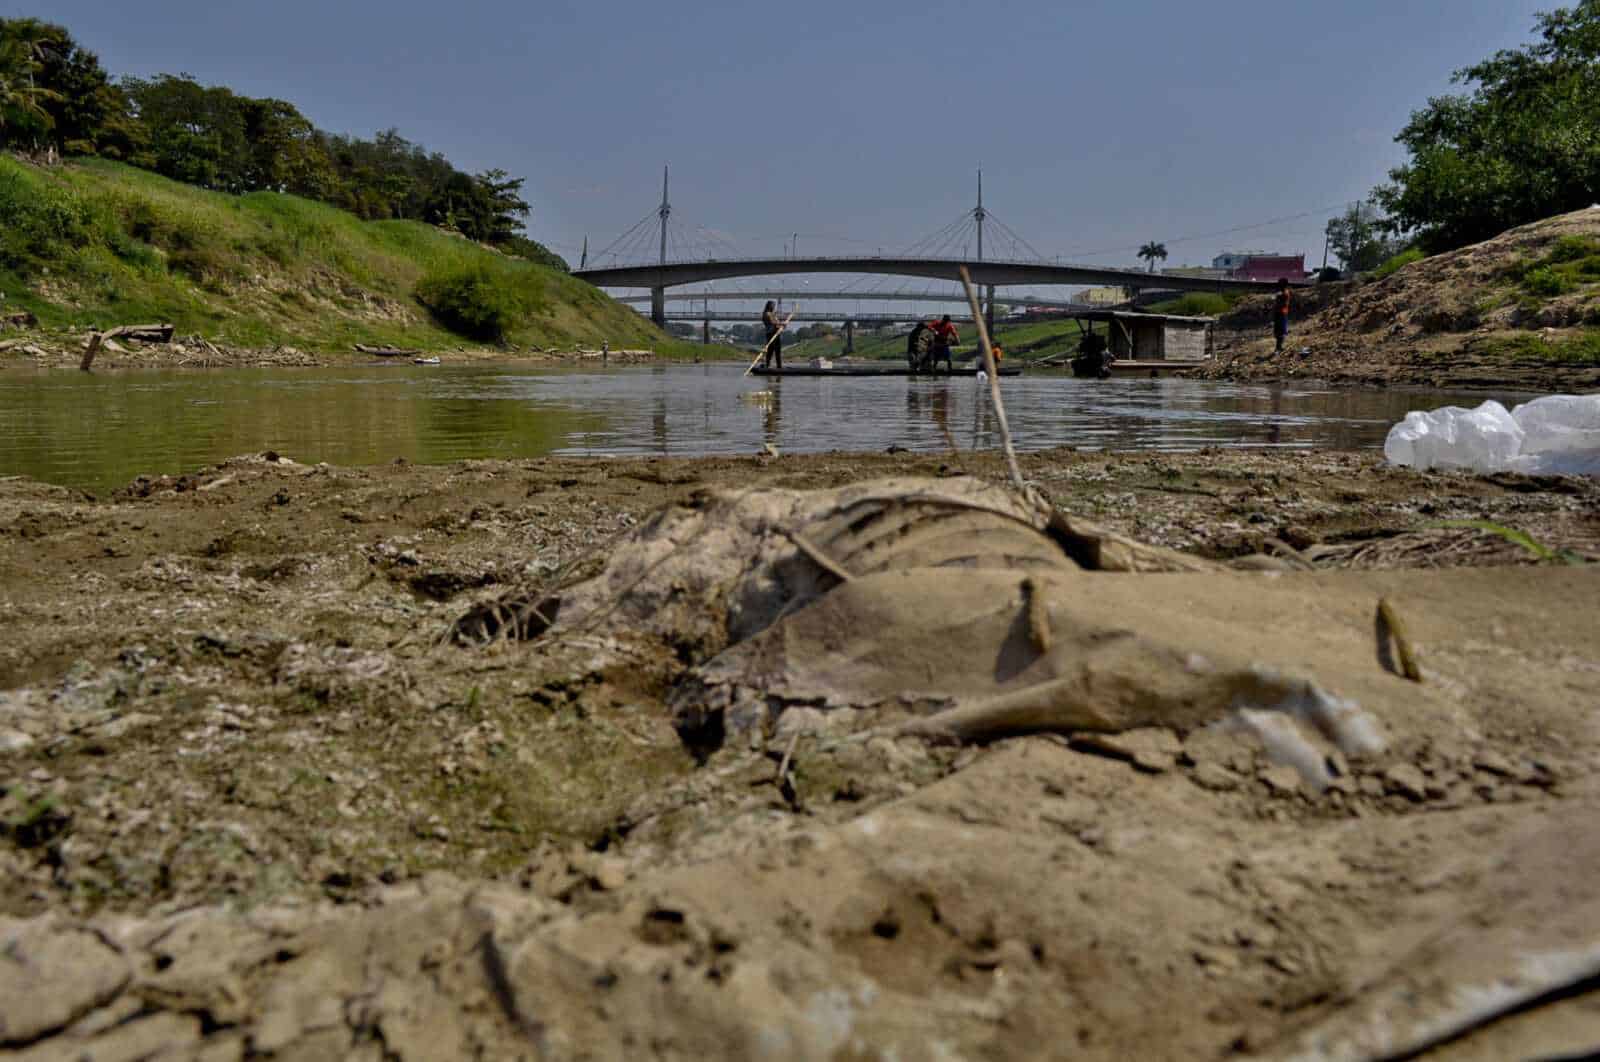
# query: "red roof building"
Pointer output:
{"type": "Point", "coordinates": [1271, 267]}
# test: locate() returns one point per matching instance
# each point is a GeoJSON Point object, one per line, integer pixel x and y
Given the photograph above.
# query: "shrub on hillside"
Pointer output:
{"type": "Point", "coordinates": [36, 215]}
{"type": "Point", "coordinates": [1397, 263]}
{"type": "Point", "coordinates": [1195, 304]}
{"type": "Point", "coordinates": [1572, 249]}
{"type": "Point", "coordinates": [470, 300]}
{"type": "Point", "coordinates": [1545, 281]}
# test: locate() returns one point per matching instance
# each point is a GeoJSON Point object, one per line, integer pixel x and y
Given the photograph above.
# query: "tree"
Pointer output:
{"type": "Point", "coordinates": [1153, 251]}
{"type": "Point", "coordinates": [86, 113]}
{"type": "Point", "coordinates": [1356, 238]}
{"type": "Point", "coordinates": [1521, 145]}
{"type": "Point", "coordinates": [193, 133]}
{"type": "Point", "coordinates": [24, 116]}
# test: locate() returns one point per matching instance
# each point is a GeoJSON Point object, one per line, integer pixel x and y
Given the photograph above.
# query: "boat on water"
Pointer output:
{"type": "Point", "coordinates": [874, 370]}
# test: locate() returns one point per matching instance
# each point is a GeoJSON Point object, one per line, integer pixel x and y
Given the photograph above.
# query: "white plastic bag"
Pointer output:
{"type": "Point", "coordinates": [1485, 439]}
{"type": "Point", "coordinates": [1553, 434]}
{"type": "Point", "coordinates": [1561, 434]}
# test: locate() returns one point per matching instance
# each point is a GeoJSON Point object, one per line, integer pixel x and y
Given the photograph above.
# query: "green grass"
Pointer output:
{"type": "Point", "coordinates": [1196, 304]}
{"type": "Point", "coordinates": [1538, 550]}
{"type": "Point", "coordinates": [1397, 263]}
{"type": "Point", "coordinates": [1582, 348]}
{"type": "Point", "coordinates": [1571, 263]}
{"type": "Point", "coordinates": [96, 243]}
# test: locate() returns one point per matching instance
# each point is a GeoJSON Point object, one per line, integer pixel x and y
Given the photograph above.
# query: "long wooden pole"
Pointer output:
{"type": "Point", "coordinates": [770, 338]}
{"type": "Point", "coordinates": [994, 385]}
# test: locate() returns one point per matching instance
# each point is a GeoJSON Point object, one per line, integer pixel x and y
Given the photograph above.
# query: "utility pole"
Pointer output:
{"type": "Point", "coordinates": [584, 261]}
{"type": "Point", "coordinates": [664, 213]}
{"type": "Point", "coordinates": [658, 294]}
{"type": "Point", "coordinates": [980, 214]}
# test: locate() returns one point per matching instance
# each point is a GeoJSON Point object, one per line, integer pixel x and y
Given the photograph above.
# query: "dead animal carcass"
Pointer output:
{"type": "Point", "coordinates": [949, 607]}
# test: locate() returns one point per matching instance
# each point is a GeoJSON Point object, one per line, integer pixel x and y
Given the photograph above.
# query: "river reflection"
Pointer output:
{"type": "Point", "coordinates": [101, 430]}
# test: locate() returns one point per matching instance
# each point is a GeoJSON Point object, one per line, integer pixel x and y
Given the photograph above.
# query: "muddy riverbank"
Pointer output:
{"type": "Point", "coordinates": [27, 348]}
{"type": "Point", "coordinates": [231, 691]}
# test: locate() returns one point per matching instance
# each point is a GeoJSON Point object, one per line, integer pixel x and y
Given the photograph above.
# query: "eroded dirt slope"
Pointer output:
{"type": "Point", "coordinates": [1466, 318]}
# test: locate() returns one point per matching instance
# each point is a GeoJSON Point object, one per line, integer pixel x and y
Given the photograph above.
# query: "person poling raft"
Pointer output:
{"type": "Point", "coordinates": [774, 344]}
{"type": "Point", "coordinates": [774, 348]}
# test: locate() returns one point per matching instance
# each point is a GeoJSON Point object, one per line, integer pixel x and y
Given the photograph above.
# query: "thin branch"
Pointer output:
{"type": "Point", "coordinates": [994, 385]}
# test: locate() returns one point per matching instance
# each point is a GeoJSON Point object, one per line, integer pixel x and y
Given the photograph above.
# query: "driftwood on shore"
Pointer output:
{"type": "Point", "coordinates": [144, 333]}
{"type": "Point", "coordinates": [386, 352]}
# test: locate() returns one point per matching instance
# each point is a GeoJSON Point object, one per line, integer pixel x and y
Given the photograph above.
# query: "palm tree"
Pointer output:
{"type": "Point", "coordinates": [1153, 251]}
{"type": "Point", "coordinates": [21, 100]}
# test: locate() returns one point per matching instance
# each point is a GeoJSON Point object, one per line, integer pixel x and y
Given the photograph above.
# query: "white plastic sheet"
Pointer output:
{"type": "Point", "coordinates": [1553, 434]}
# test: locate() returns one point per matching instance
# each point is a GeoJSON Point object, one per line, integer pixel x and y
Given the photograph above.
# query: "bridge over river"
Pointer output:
{"type": "Point", "coordinates": [987, 273]}
{"type": "Point", "coordinates": [924, 260]}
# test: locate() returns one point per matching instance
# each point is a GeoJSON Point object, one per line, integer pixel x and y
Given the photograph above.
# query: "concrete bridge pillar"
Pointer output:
{"type": "Point", "coordinates": [707, 334]}
{"type": "Point", "coordinates": [988, 311]}
{"type": "Point", "coordinates": [849, 337]}
{"type": "Point", "coordinates": [658, 306]}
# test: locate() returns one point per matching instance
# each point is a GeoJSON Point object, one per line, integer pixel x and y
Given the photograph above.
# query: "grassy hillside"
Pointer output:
{"type": "Point", "coordinates": [96, 243]}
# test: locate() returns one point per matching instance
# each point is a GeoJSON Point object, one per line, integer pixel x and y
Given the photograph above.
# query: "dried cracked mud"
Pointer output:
{"type": "Point", "coordinates": [256, 803]}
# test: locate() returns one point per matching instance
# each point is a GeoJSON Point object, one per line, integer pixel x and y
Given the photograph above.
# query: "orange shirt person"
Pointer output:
{"type": "Point", "coordinates": [1280, 314]}
{"type": "Point", "coordinates": [945, 336]}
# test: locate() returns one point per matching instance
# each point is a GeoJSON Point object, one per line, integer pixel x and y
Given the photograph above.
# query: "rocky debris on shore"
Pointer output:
{"type": "Point", "coordinates": [63, 348]}
{"type": "Point", "coordinates": [67, 348]}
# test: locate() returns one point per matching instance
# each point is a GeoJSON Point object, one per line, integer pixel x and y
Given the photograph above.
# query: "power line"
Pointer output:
{"type": "Point", "coordinates": [1219, 232]}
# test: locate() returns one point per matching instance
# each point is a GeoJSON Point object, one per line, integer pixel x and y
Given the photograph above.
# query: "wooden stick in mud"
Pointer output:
{"type": "Point", "coordinates": [1402, 643]}
{"type": "Point", "coordinates": [994, 384]}
{"type": "Point", "coordinates": [770, 338]}
{"type": "Point", "coordinates": [95, 339]}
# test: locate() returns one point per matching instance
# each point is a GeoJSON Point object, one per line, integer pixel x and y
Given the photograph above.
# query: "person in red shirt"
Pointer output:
{"type": "Point", "coordinates": [1280, 314]}
{"type": "Point", "coordinates": [945, 336]}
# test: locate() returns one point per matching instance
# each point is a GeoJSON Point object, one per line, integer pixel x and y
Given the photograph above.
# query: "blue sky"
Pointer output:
{"type": "Point", "coordinates": [1099, 124]}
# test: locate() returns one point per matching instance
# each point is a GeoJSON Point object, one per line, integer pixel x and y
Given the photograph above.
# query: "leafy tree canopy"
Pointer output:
{"type": "Point", "coordinates": [54, 93]}
{"type": "Point", "coordinates": [1523, 144]}
{"type": "Point", "coordinates": [1357, 238]}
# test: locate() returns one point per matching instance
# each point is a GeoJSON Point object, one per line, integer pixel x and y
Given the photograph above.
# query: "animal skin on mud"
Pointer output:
{"type": "Point", "coordinates": [961, 603]}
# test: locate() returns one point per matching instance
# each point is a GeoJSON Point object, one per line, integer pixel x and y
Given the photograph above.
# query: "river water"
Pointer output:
{"type": "Point", "coordinates": [101, 430]}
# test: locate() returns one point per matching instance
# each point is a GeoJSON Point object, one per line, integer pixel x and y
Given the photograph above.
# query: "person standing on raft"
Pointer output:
{"type": "Point", "coordinates": [945, 336]}
{"type": "Point", "coordinates": [774, 327]}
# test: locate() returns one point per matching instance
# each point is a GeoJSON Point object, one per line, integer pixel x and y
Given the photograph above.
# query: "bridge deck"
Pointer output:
{"type": "Point", "coordinates": [1002, 273]}
{"type": "Point", "coordinates": [873, 370]}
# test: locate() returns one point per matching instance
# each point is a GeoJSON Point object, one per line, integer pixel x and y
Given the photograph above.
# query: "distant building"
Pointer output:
{"type": "Point", "coordinates": [1228, 261]}
{"type": "Point", "coordinates": [1100, 296]}
{"type": "Point", "coordinates": [1260, 265]}
{"type": "Point", "coordinates": [1271, 267]}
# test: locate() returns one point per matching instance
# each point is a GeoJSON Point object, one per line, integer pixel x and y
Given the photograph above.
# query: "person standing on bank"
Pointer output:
{"type": "Point", "coordinates": [774, 327]}
{"type": "Point", "coordinates": [1280, 314]}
